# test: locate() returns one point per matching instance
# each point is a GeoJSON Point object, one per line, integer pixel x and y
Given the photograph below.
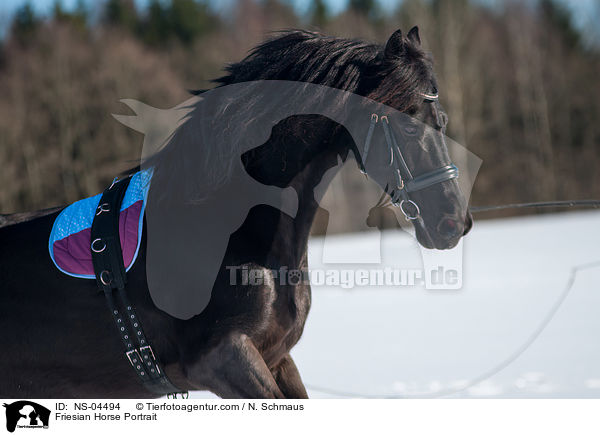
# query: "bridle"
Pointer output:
{"type": "Point", "coordinates": [405, 182]}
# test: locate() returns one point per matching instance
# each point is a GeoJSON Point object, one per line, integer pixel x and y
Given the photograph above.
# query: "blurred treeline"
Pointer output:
{"type": "Point", "coordinates": [520, 84]}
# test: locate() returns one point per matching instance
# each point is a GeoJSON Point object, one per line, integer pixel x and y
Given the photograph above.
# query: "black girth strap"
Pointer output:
{"type": "Point", "coordinates": [111, 279]}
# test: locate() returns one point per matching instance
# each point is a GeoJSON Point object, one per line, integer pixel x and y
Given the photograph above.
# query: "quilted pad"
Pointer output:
{"type": "Point", "coordinates": [70, 237]}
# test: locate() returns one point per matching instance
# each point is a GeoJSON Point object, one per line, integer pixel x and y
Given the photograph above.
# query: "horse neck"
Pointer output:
{"type": "Point", "coordinates": [290, 240]}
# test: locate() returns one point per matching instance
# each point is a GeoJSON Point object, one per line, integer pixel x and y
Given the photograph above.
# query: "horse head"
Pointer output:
{"type": "Point", "coordinates": [413, 164]}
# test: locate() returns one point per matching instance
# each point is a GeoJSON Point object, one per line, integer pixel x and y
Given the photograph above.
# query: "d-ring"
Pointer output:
{"type": "Point", "coordinates": [98, 250]}
{"type": "Point", "coordinates": [102, 208]}
{"type": "Point", "coordinates": [407, 215]}
{"type": "Point", "coordinates": [105, 277]}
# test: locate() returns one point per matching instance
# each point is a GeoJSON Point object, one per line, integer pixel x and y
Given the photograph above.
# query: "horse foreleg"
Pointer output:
{"type": "Point", "coordinates": [288, 379]}
{"type": "Point", "coordinates": [234, 369]}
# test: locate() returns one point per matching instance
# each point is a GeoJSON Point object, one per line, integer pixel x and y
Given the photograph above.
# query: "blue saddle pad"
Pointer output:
{"type": "Point", "coordinates": [70, 238]}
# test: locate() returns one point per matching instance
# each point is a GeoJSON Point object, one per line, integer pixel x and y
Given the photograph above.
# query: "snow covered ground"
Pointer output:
{"type": "Point", "coordinates": [478, 341]}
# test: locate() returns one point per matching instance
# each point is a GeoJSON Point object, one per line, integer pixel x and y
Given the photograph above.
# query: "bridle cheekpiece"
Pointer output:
{"type": "Point", "coordinates": [405, 182]}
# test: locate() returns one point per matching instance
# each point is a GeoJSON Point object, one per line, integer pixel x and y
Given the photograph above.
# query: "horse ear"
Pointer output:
{"type": "Point", "coordinates": [395, 45]}
{"type": "Point", "coordinates": [413, 35]}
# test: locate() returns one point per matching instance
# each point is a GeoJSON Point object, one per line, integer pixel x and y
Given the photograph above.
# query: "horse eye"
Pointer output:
{"type": "Point", "coordinates": [411, 130]}
{"type": "Point", "coordinates": [412, 111]}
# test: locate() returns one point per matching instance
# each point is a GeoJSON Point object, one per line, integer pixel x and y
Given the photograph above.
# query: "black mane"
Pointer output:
{"type": "Point", "coordinates": [305, 56]}
{"type": "Point", "coordinates": [394, 76]}
{"type": "Point", "coordinates": [349, 64]}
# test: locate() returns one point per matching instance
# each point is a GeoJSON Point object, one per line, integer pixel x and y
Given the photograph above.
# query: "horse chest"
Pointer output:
{"type": "Point", "coordinates": [285, 321]}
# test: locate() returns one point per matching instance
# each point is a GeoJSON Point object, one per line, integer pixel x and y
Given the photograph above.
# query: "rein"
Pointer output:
{"type": "Point", "coordinates": [593, 203]}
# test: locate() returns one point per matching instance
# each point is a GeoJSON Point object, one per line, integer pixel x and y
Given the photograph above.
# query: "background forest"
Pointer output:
{"type": "Point", "coordinates": [520, 83]}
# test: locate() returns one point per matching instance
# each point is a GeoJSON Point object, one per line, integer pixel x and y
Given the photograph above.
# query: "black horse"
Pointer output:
{"type": "Point", "coordinates": [58, 340]}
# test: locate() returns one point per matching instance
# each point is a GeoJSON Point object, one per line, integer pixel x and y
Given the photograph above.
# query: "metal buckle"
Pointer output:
{"type": "Point", "coordinates": [399, 181]}
{"type": "Point", "coordinates": [184, 395]}
{"type": "Point", "coordinates": [150, 349]}
{"type": "Point", "coordinates": [129, 352]}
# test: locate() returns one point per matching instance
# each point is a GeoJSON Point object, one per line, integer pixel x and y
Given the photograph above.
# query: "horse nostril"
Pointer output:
{"type": "Point", "coordinates": [449, 228]}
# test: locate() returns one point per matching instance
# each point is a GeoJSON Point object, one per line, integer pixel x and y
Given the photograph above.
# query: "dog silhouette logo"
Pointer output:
{"type": "Point", "coordinates": [26, 414]}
